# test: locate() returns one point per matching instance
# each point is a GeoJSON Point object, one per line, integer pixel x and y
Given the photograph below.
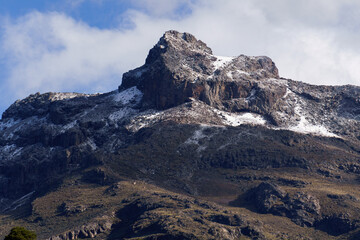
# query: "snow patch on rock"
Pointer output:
{"type": "Point", "coordinates": [7, 148]}
{"type": "Point", "coordinates": [130, 95]}
{"type": "Point", "coordinates": [69, 95]}
{"type": "Point", "coordinates": [252, 95]}
{"type": "Point", "coordinates": [68, 126]}
{"type": "Point", "coordinates": [198, 135]}
{"type": "Point", "coordinates": [145, 119]}
{"type": "Point", "coordinates": [288, 92]}
{"type": "Point", "coordinates": [89, 142]}
{"type": "Point", "coordinates": [8, 152]}
{"type": "Point", "coordinates": [196, 138]}
{"type": "Point", "coordinates": [237, 119]}
{"type": "Point", "coordinates": [122, 113]}
{"type": "Point", "coordinates": [222, 62]}
{"type": "Point", "coordinates": [7, 124]}
{"type": "Point", "coordinates": [242, 72]}
{"type": "Point", "coordinates": [19, 202]}
{"type": "Point", "coordinates": [304, 126]}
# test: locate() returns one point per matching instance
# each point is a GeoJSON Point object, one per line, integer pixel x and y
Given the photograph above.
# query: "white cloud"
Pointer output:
{"type": "Point", "coordinates": [316, 42]}
{"type": "Point", "coordinates": [52, 52]}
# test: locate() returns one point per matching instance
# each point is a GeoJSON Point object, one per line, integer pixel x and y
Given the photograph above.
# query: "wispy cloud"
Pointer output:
{"type": "Point", "coordinates": [316, 42]}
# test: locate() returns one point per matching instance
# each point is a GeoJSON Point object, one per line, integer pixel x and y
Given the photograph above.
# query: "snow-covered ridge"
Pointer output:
{"type": "Point", "coordinates": [199, 113]}
{"type": "Point", "coordinates": [149, 118]}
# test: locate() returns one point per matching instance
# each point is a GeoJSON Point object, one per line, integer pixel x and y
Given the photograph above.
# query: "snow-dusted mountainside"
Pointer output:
{"type": "Point", "coordinates": [180, 69]}
{"type": "Point", "coordinates": [183, 113]}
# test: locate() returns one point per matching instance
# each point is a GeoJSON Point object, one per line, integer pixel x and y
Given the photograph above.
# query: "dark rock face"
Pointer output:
{"type": "Point", "coordinates": [305, 208]}
{"type": "Point", "coordinates": [301, 208]}
{"type": "Point", "coordinates": [180, 67]}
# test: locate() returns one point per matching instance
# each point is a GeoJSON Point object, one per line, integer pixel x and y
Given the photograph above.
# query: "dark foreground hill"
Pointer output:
{"type": "Point", "coordinates": [190, 146]}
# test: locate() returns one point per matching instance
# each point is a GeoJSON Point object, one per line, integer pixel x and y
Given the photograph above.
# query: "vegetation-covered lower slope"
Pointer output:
{"type": "Point", "coordinates": [139, 210]}
{"type": "Point", "coordinates": [228, 184]}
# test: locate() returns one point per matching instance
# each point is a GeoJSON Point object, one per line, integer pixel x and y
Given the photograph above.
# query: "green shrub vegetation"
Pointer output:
{"type": "Point", "coordinates": [20, 233]}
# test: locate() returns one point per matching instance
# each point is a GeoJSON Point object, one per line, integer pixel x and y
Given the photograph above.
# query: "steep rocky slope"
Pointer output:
{"type": "Point", "coordinates": [190, 146]}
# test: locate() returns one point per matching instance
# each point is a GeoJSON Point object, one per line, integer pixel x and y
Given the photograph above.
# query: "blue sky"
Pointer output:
{"type": "Point", "coordinates": [101, 14]}
{"type": "Point", "coordinates": [86, 45]}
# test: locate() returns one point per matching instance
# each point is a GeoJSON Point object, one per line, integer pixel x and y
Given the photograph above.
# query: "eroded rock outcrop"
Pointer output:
{"type": "Point", "coordinates": [90, 230]}
{"type": "Point", "coordinates": [162, 216]}
{"type": "Point", "coordinates": [301, 208]}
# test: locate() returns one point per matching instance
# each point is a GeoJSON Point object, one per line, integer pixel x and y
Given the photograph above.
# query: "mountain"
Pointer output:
{"type": "Point", "coordinates": [190, 146]}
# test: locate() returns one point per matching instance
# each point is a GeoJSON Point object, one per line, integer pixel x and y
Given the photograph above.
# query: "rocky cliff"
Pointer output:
{"type": "Point", "coordinates": [225, 130]}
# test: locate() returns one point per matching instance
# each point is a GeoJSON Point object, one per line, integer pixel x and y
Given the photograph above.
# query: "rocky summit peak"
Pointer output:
{"type": "Point", "coordinates": [174, 41]}
{"type": "Point", "coordinates": [180, 67]}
